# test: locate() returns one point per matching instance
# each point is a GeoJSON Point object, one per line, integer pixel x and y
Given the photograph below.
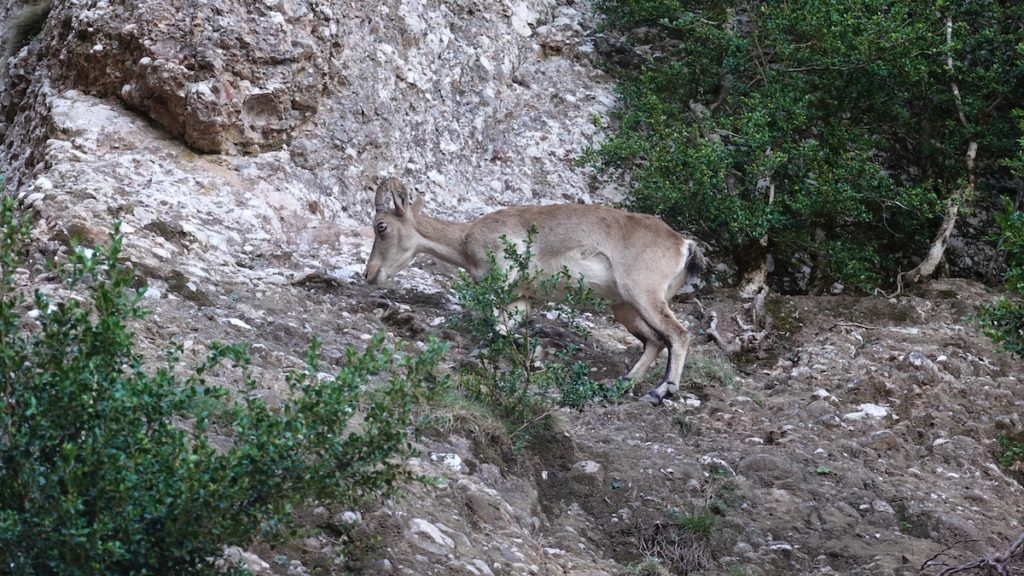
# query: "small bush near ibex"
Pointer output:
{"type": "Point", "coordinates": [105, 464]}
{"type": "Point", "coordinates": [703, 370]}
{"type": "Point", "coordinates": [683, 541]}
{"type": "Point", "coordinates": [700, 524]}
{"type": "Point", "coordinates": [507, 376]}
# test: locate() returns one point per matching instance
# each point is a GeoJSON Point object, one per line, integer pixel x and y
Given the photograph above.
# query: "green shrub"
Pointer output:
{"type": "Point", "coordinates": [822, 133]}
{"type": "Point", "coordinates": [723, 493]}
{"type": "Point", "coordinates": [699, 524]}
{"type": "Point", "coordinates": [507, 375]}
{"type": "Point", "coordinates": [106, 465]}
{"type": "Point", "coordinates": [647, 567]}
{"type": "Point", "coordinates": [682, 541]}
{"type": "Point", "coordinates": [1011, 452]}
{"type": "Point", "coordinates": [1003, 319]}
{"type": "Point", "coordinates": [704, 370]}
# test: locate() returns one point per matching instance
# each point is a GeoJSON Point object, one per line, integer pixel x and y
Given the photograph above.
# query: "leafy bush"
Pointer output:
{"type": "Point", "coordinates": [647, 567]}
{"type": "Point", "coordinates": [1011, 453]}
{"type": "Point", "coordinates": [682, 541]}
{"type": "Point", "coordinates": [700, 523]}
{"type": "Point", "coordinates": [703, 370]}
{"type": "Point", "coordinates": [1003, 320]}
{"type": "Point", "coordinates": [107, 467]}
{"type": "Point", "coordinates": [508, 377]}
{"type": "Point", "coordinates": [823, 133]}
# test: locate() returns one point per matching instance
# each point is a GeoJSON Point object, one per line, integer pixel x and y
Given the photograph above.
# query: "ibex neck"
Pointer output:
{"type": "Point", "coordinates": [443, 240]}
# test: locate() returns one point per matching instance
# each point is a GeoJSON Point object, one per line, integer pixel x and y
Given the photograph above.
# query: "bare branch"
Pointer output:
{"type": "Point", "coordinates": [934, 560]}
{"type": "Point", "coordinates": [949, 65]}
{"type": "Point", "coordinates": [752, 335]}
{"type": "Point", "coordinates": [856, 325]}
{"type": "Point", "coordinates": [727, 347]}
{"type": "Point", "coordinates": [994, 564]}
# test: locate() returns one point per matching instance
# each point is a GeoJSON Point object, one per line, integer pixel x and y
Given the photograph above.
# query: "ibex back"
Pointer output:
{"type": "Point", "coordinates": [634, 260]}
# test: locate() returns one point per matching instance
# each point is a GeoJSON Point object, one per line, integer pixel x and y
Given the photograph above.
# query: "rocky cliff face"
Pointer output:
{"type": "Point", "coordinates": [239, 141]}
{"type": "Point", "coordinates": [276, 118]}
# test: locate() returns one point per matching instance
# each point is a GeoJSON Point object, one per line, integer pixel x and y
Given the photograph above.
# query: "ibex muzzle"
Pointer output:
{"type": "Point", "coordinates": [634, 260]}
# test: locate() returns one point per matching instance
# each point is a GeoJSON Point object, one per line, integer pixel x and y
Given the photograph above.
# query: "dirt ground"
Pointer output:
{"type": "Point", "coordinates": [859, 439]}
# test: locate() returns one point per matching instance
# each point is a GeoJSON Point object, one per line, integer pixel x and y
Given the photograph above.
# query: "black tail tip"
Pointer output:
{"type": "Point", "coordinates": [696, 264]}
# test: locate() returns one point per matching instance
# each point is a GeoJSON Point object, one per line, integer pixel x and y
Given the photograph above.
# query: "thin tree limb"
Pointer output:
{"type": "Point", "coordinates": [727, 347]}
{"type": "Point", "coordinates": [750, 337]}
{"type": "Point", "coordinates": [994, 564]}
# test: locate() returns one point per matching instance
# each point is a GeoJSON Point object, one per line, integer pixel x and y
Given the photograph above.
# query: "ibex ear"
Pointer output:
{"type": "Point", "coordinates": [417, 205]}
{"type": "Point", "coordinates": [399, 196]}
{"type": "Point", "coordinates": [406, 207]}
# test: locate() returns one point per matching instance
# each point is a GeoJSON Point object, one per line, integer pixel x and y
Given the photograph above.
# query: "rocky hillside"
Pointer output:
{"type": "Point", "coordinates": [238, 142]}
{"type": "Point", "coordinates": [861, 445]}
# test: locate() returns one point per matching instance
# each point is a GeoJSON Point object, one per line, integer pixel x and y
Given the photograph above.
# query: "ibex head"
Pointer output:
{"type": "Point", "coordinates": [395, 237]}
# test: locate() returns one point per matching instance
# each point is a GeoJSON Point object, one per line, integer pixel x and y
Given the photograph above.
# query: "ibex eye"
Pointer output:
{"type": "Point", "coordinates": [382, 226]}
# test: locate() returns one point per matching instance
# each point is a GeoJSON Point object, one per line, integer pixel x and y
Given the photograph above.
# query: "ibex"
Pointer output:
{"type": "Point", "coordinates": [634, 260]}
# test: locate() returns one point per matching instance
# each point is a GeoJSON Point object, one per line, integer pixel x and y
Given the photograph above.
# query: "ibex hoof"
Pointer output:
{"type": "Point", "coordinates": [652, 398]}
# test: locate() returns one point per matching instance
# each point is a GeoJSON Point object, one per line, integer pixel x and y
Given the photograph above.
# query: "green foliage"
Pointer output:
{"type": "Point", "coordinates": [683, 541]}
{"type": "Point", "coordinates": [683, 424]}
{"type": "Point", "coordinates": [1011, 452]}
{"type": "Point", "coordinates": [829, 128]}
{"type": "Point", "coordinates": [106, 464]}
{"type": "Point", "coordinates": [708, 370]}
{"type": "Point", "coordinates": [1003, 319]}
{"type": "Point", "coordinates": [723, 493]}
{"type": "Point", "coordinates": [26, 24]}
{"type": "Point", "coordinates": [700, 524]}
{"type": "Point", "coordinates": [508, 376]}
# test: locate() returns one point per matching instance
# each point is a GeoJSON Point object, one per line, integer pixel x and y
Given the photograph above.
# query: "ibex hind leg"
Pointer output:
{"type": "Point", "coordinates": [660, 317]}
{"type": "Point", "coordinates": [628, 316]}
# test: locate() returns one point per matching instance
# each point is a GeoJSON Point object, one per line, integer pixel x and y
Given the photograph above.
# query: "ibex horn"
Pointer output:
{"type": "Point", "coordinates": [380, 200]}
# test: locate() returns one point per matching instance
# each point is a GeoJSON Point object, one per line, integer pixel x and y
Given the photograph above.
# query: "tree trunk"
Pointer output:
{"type": "Point", "coordinates": [754, 280]}
{"type": "Point", "coordinates": [927, 267]}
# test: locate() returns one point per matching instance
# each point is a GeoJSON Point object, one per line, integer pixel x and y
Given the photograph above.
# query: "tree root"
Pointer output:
{"type": "Point", "coordinates": [752, 335]}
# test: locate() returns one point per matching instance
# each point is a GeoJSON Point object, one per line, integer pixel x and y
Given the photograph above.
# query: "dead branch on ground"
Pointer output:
{"type": "Point", "coordinates": [1009, 562]}
{"type": "Point", "coordinates": [752, 334]}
